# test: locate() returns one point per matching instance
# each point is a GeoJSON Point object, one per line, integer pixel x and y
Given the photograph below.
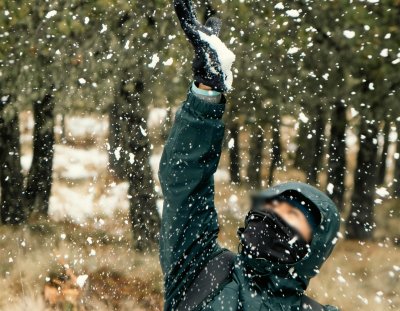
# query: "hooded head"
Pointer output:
{"type": "Point", "coordinates": [324, 233]}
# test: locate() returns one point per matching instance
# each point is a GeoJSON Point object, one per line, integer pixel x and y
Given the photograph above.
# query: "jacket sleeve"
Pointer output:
{"type": "Point", "coordinates": [189, 226]}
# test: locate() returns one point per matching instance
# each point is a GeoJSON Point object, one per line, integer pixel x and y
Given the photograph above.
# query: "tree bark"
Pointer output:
{"type": "Point", "coordinates": [255, 158]}
{"type": "Point", "coordinates": [209, 11]}
{"type": "Point", "coordinates": [11, 179]}
{"type": "Point", "coordinates": [337, 155]}
{"type": "Point", "coordinates": [167, 124]}
{"type": "Point", "coordinates": [234, 152]}
{"type": "Point", "coordinates": [311, 144]}
{"type": "Point", "coordinates": [383, 157]}
{"type": "Point", "coordinates": [360, 222]}
{"type": "Point", "coordinates": [276, 149]}
{"type": "Point", "coordinates": [318, 146]}
{"type": "Point", "coordinates": [39, 180]}
{"type": "Point", "coordinates": [117, 154]}
{"type": "Point", "coordinates": [145, 219]}
{"type": "Point", "coordinates": [396, 177]}
{"type": "Point", "coordinates": [302, 145]}
{"type": "Point", "coordinates": [63, 137]}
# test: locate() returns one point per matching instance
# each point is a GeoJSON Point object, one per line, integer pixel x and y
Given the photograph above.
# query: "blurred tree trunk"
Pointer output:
{"type": "Point", "coordinates": [118, 114]}
{"type": "Point", "coordinates": [209, 11]}
{"type": "Point", "coordinates": [63, 137]}
{"type": "Point", "coordinates": [144, 216]}
{"type": "Point", "coordinates": [276, 149]}
{"type": "Point", "coordinates": [11, 179]}
{"type": "Point", "coordinates": [302, 144]}
{"type": "Point", "coordinates": [360, 221]}
{"type": "Point", "coordinates": [396, 177]}
{"type": "Point", "coordinates": [383, 157]}
{"type": "Point", "coordinates": [39, 180]}
{"type": "Point", "coordinates": [117, 153]}
{"type": "Point", "coordinates": [167, 124]}
{"type": "Point", "coordinates": [234, 150]}
{"type": "Point", "coordinates": [310, 144]}
{"type": "Point", "coordinates": [255, 157]}
{"type": "Point", "coordinates": [337, 155]}
{"type": "Point", "coordinates": [318, 146]}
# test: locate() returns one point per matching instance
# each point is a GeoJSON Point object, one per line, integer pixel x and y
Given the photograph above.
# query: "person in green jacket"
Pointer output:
{"type": "Point", "coordinates": [290, 230]}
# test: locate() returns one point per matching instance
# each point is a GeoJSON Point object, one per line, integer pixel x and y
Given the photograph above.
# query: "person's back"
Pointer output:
{"type": "Point", "coordinates": [289, 232]}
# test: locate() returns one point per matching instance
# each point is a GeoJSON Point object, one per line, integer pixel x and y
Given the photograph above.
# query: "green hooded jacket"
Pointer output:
{"type": "Point", "coordinates": [189, 229]}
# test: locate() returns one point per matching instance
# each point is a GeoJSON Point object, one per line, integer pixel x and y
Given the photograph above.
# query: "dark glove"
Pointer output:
{"type": "Point", "coordinates": [213, 60]}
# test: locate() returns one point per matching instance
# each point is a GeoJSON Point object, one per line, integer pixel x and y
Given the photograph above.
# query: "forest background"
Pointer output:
{"type": "Point", "coordinates": [88, 91]}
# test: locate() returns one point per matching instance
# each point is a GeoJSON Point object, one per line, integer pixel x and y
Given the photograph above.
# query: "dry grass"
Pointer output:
{"type": "Point", "coordinates": [119, 278]}
{"type": "Point", "coordinates": [358, 276]}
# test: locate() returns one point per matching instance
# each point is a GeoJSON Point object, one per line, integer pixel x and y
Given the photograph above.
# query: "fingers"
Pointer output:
{"type": "Point", "coordinates": [212, 27]}
{"type": "Point", "coordinates": [214, 24]}
{"type": "Point", "coordinates": [184, 10]}
{"type": "Point", "coordinates": [187, 18]}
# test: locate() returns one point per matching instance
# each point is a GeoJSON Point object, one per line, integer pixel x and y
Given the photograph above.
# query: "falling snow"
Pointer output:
{"type": "Point", "coordinates": [154, 61]}
{"type": "Point", "coordinates": [51, 14]}
{"type": "Point", "coordinates": [116, 170]}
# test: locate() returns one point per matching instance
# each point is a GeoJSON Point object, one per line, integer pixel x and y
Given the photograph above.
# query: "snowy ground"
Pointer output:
{"type": "Point", "coordinates": [81, 188]}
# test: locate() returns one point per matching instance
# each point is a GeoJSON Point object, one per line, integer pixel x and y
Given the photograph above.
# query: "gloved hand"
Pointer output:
{"type": "Point", "coordinates": [213, 60]}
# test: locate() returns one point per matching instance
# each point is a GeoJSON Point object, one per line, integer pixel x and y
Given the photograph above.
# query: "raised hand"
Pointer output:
{"type": "Point", "coordinates": [213, 60]}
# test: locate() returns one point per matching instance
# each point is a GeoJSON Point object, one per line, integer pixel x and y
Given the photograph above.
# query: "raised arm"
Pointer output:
{"type": "Point", "coordinates": [189, 227]}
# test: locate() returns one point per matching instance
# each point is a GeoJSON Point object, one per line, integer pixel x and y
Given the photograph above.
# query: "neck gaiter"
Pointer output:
{"type": "Point", "coordinates": [266, 235]}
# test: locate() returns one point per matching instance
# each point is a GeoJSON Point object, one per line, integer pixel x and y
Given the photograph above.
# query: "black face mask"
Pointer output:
{"type": "Point", "coordinates": [266, 235]}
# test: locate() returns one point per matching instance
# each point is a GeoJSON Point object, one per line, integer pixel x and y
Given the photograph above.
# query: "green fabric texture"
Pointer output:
{"type": "Point", "coordinates": [189, 228]}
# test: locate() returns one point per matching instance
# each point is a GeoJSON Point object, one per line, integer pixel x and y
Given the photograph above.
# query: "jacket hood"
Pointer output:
{"type": "Point", "coordinates": [325, 235]}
